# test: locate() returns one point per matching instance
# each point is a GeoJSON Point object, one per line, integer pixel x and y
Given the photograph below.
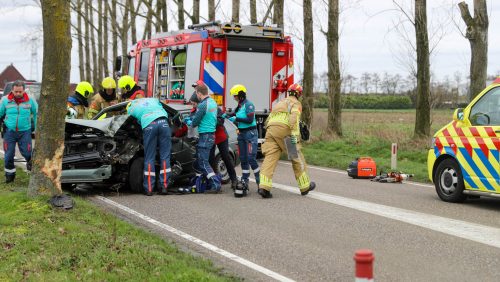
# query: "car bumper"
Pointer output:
{"type": "Point", "coordinates": [91, 175]}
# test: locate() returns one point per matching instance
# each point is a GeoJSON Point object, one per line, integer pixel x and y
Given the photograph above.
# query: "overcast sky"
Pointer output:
{"type": "Point", "coordinates": [370, 41]}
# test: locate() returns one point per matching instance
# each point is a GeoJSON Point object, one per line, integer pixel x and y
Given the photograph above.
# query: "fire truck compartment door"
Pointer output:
{"type": "Point", "coordinates": [253, 70]}
{"type": "Point", "coordinates": [193, 61]}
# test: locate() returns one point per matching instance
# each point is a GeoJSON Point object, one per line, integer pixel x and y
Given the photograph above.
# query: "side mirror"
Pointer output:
{"type": "Point", "coordinates": [118, 64]}
{"type": "Point", "coordinates": [458, 115]}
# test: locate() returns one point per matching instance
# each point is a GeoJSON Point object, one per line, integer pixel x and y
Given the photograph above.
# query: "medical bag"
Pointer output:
{"type": "Point", "coordinates": [362, 167]}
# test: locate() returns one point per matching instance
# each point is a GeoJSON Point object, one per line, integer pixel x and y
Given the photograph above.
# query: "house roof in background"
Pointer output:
{"type": "Point", "coordinates": [10, 73]}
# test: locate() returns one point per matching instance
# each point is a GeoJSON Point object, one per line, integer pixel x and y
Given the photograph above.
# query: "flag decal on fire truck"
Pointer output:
{"type": "Point", "coordinates": [213, 76]}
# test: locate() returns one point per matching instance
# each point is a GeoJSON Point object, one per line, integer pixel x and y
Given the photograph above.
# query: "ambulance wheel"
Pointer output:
{"type": "Point", "coordinates": [449, 182]}
{"type": "Point", "coordinates": [135, 175]}
{"type": "Point", "coordinates": [222, 169]}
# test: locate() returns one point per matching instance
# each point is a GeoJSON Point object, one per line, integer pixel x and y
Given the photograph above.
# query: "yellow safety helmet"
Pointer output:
{"type": "Point", "coordinates": [126, 82]}
{"type": "Point", "coordinates": [84, 88]}
{"type": "Point", "coordinates": [108, 83]}
{"type": "Point", "coordinates": [235, 90]}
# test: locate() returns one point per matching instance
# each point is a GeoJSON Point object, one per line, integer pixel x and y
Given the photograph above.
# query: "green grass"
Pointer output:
{"type": "Point", "coordinates": [85, 243]}
{"type": "Point", "coordinates": [371, 133]}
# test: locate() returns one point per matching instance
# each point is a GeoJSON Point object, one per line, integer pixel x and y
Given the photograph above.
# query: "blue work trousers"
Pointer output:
{"type": "Point", "coordinates": [205, 144]}
{"type": "Point", "coordinates": [10, 139]}
{"type": "Point", "coordinates": [156, 136]}
{"type": "Point", "coordinates": [248, 144]}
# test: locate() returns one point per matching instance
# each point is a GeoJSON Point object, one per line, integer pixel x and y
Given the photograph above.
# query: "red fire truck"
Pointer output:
{"type": "Point", "coordinates": [221, 55]}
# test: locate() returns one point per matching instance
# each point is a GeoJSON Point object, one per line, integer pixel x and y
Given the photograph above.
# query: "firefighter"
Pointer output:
{"type": "Point", "coordinates": [78, 102]}
{"type": "Point", "coordinates": [283, 122]}
{"type": "Point", "coordinates": [156, 133]}
{"type": "Point", "coordinates": [244, 118]}
{"type": "Point", "coordinates": [205, 119]}
{"type": "Point", "coordinates": [130, 90]}
{"type": "Point", "coordinates": [19, 112]}
{"type": "Point", "coordinates": [105, 98]}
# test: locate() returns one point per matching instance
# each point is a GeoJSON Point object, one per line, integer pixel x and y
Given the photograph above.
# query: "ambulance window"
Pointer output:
{"type": "Point", "coordinates": [131, 66]}
{"type": "Point", "coordinates": [486, 111]}
{"type": "Point", "coordinates": [144, 64]}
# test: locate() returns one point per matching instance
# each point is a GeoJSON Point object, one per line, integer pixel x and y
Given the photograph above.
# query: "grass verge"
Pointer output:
{"type": "Point", "coordinates": [41, 243]}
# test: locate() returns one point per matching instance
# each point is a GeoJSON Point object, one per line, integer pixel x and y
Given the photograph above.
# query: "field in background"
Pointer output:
{"type": "Point", "coordinates": [370, 133]}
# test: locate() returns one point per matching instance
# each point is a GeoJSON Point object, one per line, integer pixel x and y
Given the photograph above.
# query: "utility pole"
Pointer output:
{"type": "Point", "coordinates": [34, 58]}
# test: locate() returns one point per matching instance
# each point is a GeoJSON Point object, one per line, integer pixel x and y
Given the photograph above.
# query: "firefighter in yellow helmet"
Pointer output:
{"type": "Point", "coordinates": [281, 123]}
{"type": "Point", "coordinates": [105, 98]}
{"type": "Point", "coordinates": [78, 102]}
{"type": "Point", "coordinates": [130, 90]}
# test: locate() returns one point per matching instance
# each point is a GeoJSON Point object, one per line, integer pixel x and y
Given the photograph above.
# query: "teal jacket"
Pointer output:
{"type": "Point", "coordinates": [245, 114]}
{"type": "Point", "coordinates": [206, 116]}
{"type": "Point", "coordinates": [19, 117]}
{"type": "Point", "coordinates": [146, 110]}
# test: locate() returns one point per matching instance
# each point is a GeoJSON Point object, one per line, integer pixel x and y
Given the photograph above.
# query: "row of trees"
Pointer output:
{"type": "Point", "coordinates": [98, 20]}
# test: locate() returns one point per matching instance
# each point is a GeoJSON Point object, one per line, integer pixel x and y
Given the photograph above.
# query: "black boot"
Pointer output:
{"type": "Point", "coordinates": [234, 184]}
{"type": "Point", "coordinates": [164, 191]}
{"type": "Point", "coordinates": [312, 185]}
{"type": "Point", "coordinates": [264, 193]}
{"type": "Point", "coordinates": [28, 165]}
{"type": "Point", "coordinates": [10, 178]}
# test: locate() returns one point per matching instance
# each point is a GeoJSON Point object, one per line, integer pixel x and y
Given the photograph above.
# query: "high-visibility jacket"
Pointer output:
{"type": "Point", "coordinates": [18, 115]}
{"type": "Point", "coordinates": [245, 114]}
{"type": "Point", "coordinates": [146, 110]}
{"type": "Point", "coordinates": [99, 102]}
{"type": "Point", "coordinates": [206, 116]}
{"type": "Point", "coordinates": [287, 112]}
{"type": "Point", "coordinates": [79, 103]}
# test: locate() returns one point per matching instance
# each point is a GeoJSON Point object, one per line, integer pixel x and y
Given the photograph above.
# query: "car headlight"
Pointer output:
{"type": "Point", "coordinates": [433, 143]}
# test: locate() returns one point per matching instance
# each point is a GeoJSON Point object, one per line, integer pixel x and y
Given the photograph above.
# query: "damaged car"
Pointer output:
{"type": "Point", "coordinates": [109, 150]}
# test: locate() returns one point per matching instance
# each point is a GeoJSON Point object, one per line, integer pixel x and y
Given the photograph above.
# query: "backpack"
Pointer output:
{"type": "Point", "coordinates": [304, 131]}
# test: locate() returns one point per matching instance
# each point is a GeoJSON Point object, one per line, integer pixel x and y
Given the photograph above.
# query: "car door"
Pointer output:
{"type": "Point", "coordinates": [481, 143]}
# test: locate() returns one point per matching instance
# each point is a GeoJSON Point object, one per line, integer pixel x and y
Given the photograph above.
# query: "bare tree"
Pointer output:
{"type": "Point", "coordinates": [105, 42]}
{"type": "Point", "coordinates": [308, 78]}
{"type": "Point", "coordinates": [132, 15]}
{"type": "Point", "coordinates": [164, 20]}
{"type": "Point", "coordinates": [87, 41]}
{"type": "Point", "coordinates": [278, 15]}
{"type": "Point", "coordinates": [47, 160]}
{"type": "Point", "coordinates": [95, 70]}
{"type": "Point", "coordinates": [423, 112]}
{"type": "Point", "coordinates": [235, 18]}
{"type": "Point", "coordinates": [79, 35]}
{"type": "Point", "coordinates": [477, 34]}
{"type": "Point", "coordinates": [149, 21]}
{"type": "Point", "coordinates": [180, 14]}
{"type": "Point", "coordinates": [196, 12]}
{"type": "Point", "coordinates": [211, 10]}
{"type": "Point", "coordinates": [375, 81]}
{"type": "Point", "coordinates": [334, 82]}
{"type": "Point", "coordinates": [124, 35]}
{"type": "Point", "coordinates": [253, 11]}
{"type": "Point", "coordinates": [365, 81]}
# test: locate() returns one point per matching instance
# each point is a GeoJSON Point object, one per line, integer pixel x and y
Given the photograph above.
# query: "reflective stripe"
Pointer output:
{"type": "Point", "coordinates": [266, 181]}
{"type": "Point", "coordinates": [10, 170]}
{"type": "Point", "coordinates": [163, 171]}
{"type": "Point", "coordinates": [210, 175]}
{"type": "Point", "coordinates": [150, 188]}
{"type": "Point", "coordinates": [150, 173]}
{"type": "Point", "coordinates": [303, 181]}
{"type": "Point", "coordinates": [281, 117]}
{"type": "Point", "coordinates": [256, 170]}
{"type": "Point", "coordinates": [245, 171]}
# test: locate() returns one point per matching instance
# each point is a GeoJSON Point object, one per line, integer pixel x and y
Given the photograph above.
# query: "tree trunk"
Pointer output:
{"type": "Point", "coordinates": [164, 19]}
{"type": "Point", "coordinates": [159, 5]}
{"type": "Point", "coordinates": [278, 12]}
{"type": "Point", "coordinates": [79, 35]}
{"type": "Point", "coordinates": [308, 79]}
{"type": "Point", "coordinates": [105, 43]}
{"type": "Point", "coordinates": [180, 14]}
{"type": "Point", "coordinates": [334, 83]}
{"type": "Point", "coordinates": [423, 113]}
{"type": "Point", "coordinates": [211, 10]}
{"type": "Point", "coordinates": [133, 27]}
{"type": "Point", "coordinates": [253, 11]}
{"type": "Point", "coordinates": [196, 12]}
{"type": "Point", "coordinates": [235, 18]}
{"type": "Point", "coordinates": [124, 36]}
{"type": "Point", "coordinates": [95, 67]}
{"type": "Point", "coordinates": [47, 160]}
{"type": "Point", "coordinates": [148, 26]}
{"type": "Point", "coordinates": [87, 41]}
{"type": "Point", "coordinates": [477, 34]}
{"type": "Point", "coordinates": [114, 28]}
{"type": "Point", "coordinates": [99, 42]}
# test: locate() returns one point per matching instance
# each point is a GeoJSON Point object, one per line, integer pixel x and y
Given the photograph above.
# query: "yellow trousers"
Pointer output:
{"type": "Point", "coordinates": [272, 149]}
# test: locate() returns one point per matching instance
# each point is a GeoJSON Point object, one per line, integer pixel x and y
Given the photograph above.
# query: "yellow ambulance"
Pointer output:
{"type": "Point", "coordinates": [464, 157]}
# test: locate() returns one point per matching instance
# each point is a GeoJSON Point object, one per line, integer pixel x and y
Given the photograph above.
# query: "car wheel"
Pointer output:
{"type": "Point", "coordinates": [135, 175]}
{"type": "Point", "coordinates": [222, 169]}
{"type": "Point", "coordinates": [449, 182]}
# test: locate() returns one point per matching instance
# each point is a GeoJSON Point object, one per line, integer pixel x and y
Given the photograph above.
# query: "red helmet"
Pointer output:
{"type": "Point", "coordinates": [296, 89]}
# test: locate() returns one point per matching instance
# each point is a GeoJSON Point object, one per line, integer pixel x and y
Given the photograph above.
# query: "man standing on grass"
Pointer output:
{"type": "Point", "coordinates": [20, 112]}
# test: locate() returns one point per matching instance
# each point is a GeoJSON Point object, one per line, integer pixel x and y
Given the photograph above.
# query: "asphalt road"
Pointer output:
{"type": "Point", "coordinates": [414, 235]}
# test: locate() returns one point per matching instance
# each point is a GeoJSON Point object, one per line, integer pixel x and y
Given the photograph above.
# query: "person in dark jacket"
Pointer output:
{"type": "Point", "coordinates": [19, 112]}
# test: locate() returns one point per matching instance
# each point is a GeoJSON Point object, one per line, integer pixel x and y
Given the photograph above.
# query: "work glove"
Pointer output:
{"type": "Point", "coordinates": [188, 121]}
{"type": "Point", "coordinates": [33, 135]}
{"type": "Point", "coordinates": [71, 113]}
{"type": "Point", "coordinates": [294, 139]}
{"type": "Point", "coordinates": [232, 119]}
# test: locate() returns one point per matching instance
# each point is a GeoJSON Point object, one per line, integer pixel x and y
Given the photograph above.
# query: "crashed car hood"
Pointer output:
{"type": "Point", "coordinates": [108, 126]}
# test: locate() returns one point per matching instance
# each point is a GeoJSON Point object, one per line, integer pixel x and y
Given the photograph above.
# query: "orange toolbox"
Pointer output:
{"type": "Point", "coordinates": [362, 167]}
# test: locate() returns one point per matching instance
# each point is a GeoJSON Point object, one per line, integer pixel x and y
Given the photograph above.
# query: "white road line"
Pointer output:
{"type": "Point", "coordinates": [199, 242]}
{"type": "Point", "coordinates": [343, 172]}
{"type": "Point", "coordinates": [462, 229]}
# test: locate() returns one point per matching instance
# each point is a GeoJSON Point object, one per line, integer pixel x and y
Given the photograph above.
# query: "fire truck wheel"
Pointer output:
{"type": "Point", "coordinates": [221, 168]}
{"type": "Point", "coordinates": [449, 182]}
{"type": "Point", "coordinates": [135, 175]}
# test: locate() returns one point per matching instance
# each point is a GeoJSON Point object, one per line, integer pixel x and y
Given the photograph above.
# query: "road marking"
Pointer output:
{"type": "Point", "coordinates": [462, 229]}
{"type": "Point", "coordinates": [197, 241]}
{"type": "Point", "coordinates": [343, 172]}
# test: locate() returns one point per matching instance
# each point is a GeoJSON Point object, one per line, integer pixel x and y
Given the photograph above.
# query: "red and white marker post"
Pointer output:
{"type": "Point", "coordinates": [364, 265]}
